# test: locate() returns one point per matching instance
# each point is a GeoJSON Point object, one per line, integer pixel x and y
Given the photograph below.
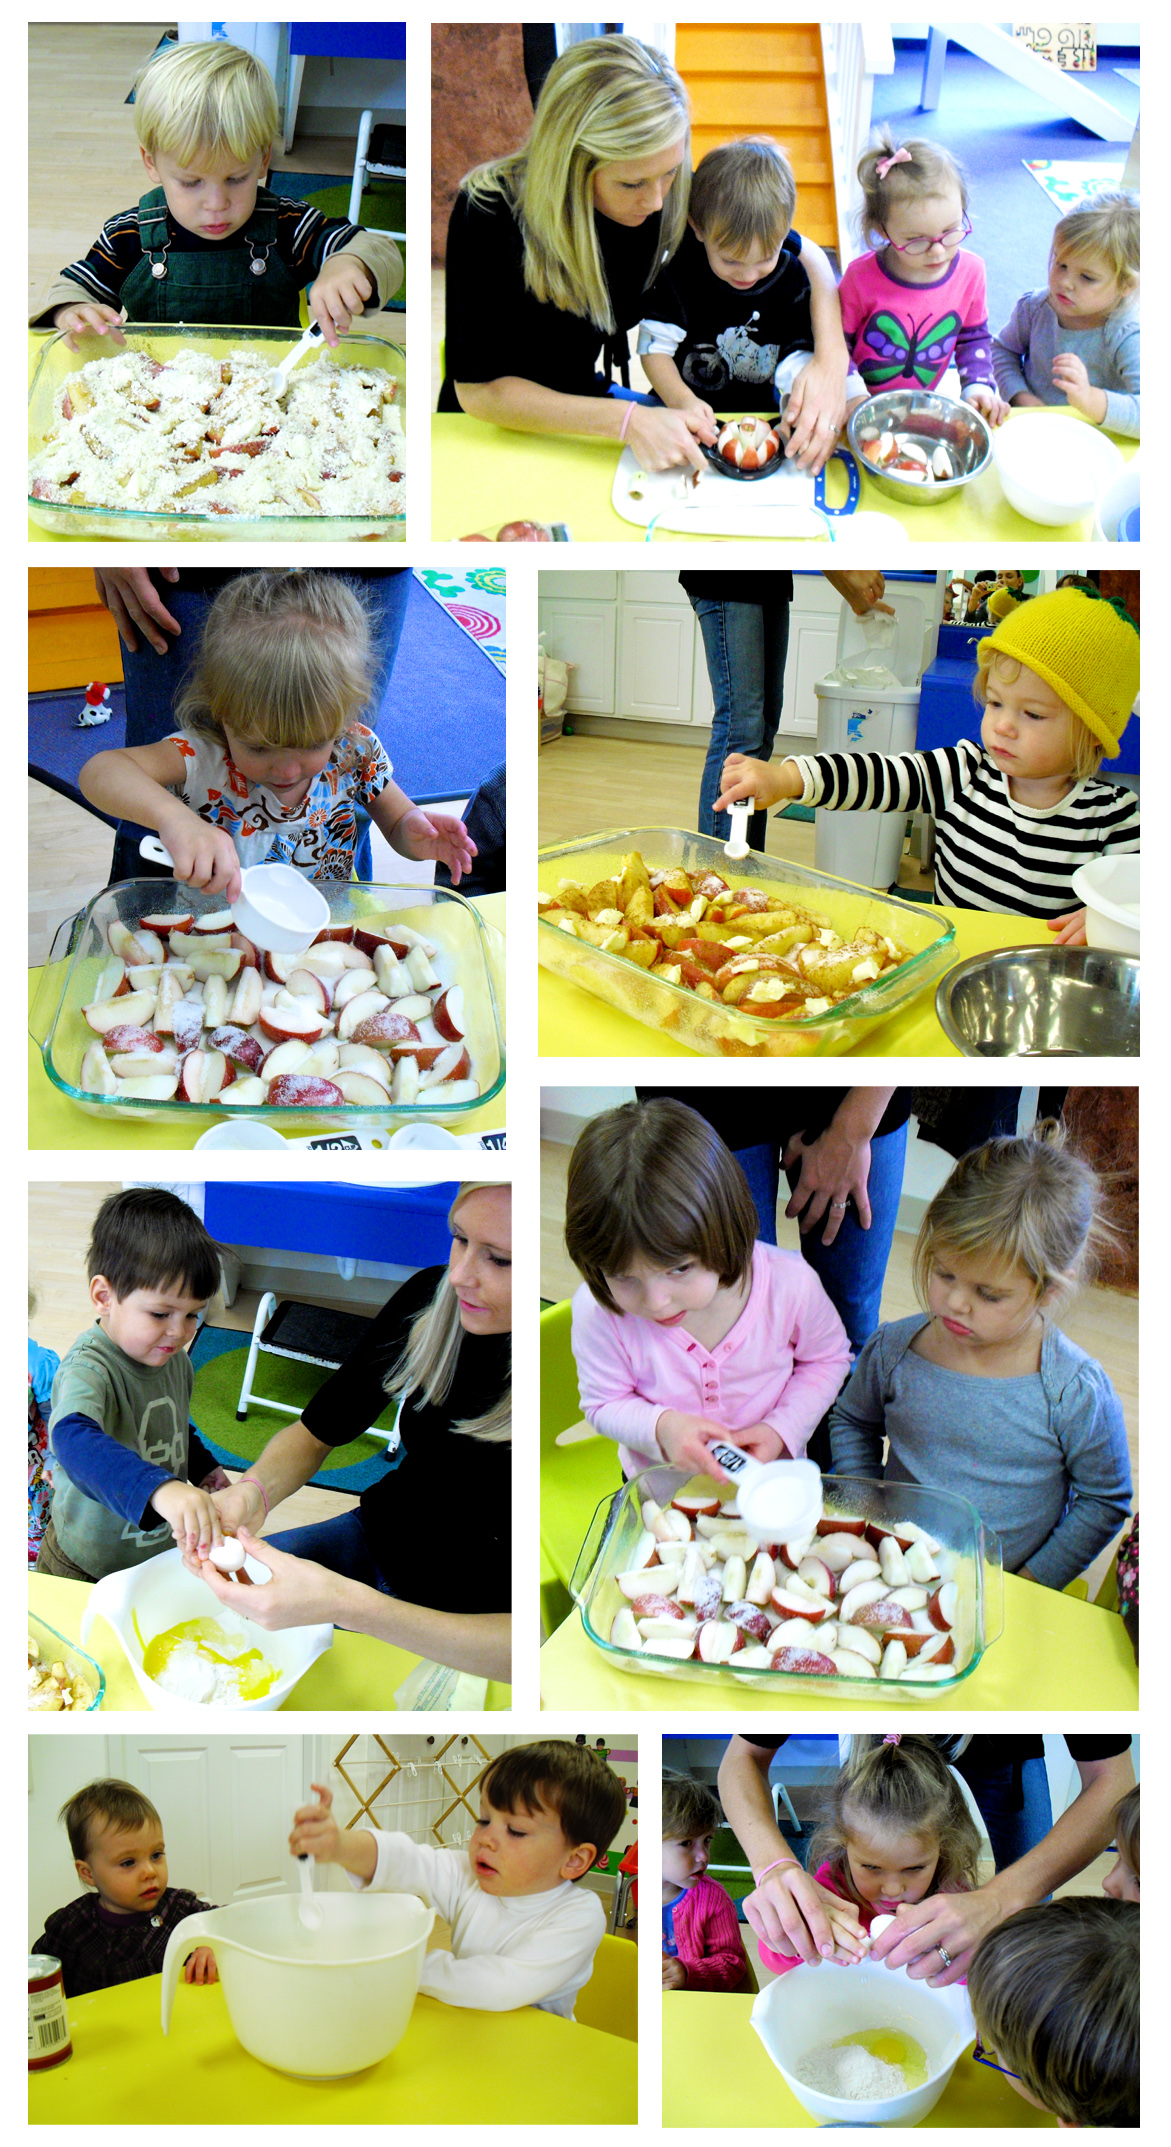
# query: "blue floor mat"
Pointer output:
{"type": "Point", "coordinates": [219, 1341]}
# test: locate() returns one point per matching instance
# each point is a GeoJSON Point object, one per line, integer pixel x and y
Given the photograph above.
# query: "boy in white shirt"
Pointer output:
{"type": "Point", "coordinates": [521, 1931]}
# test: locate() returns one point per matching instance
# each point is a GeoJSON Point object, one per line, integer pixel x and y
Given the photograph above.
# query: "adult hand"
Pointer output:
{"type": "Point", "coordinates": [339, 292]}
{"type": "Point", "coordinates": [991, 406]}
{"type": "Point", "coordinates": [299, 1593]}
{"type": "Point", "coordinates": [193, 1520]}
{"type": "Point", "coordinates": [793, 1914]}
{"type": "Point", "coordinates": [200, 1967]}
{"type": "Point", "coordinates": [957, 1922]}
{"type": "Point", "coordinates": [684, 1441]}
{"type": "Point", "coordinates": [834, 1168]}
{"type": "Point", "coordinates": [862, 592]}
{"type": "Point", "coordinates": [74, 321]}
{"type": "Point", "coordinates": [1070, 375]}
{"type": "Point", "coordinates": [674, 1974]}
{"type": "Point", "coordinates": [218, 1480]}
{"type": "Point", "coordinates": [662, 439]}
{"type": "Point", "coordinates": [128, 593]}
{"type": "Point", "coordinates": [814, 415]}
{"type": "Point", "coordinates": [1069, 930]}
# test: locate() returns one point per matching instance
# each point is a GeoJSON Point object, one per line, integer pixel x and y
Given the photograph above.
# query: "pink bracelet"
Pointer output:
{"type": "Point", "coordinates": [260, 1487]}
{"type": "Point", "coordinates": [624, 428]}
{"type": "Point", "coordinates": [781, 1863]}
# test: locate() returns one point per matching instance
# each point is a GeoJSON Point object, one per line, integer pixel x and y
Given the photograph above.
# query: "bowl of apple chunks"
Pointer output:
{"type": "Point", "coordinates": [870, 1597]}
{"type": "Point", "coordinates": [751, 948]}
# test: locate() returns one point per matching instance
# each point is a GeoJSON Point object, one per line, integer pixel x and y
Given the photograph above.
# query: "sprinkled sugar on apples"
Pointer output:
{"type": "Point", "coordinates": [857, 1599]}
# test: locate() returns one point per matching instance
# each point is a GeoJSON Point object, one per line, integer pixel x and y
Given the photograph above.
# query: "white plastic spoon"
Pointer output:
{"type": "Point", "coordinates": [737, 843]}
{"type": "Point", "coordinates": [309, 1911]}
{"type": "Point", "coordinates": [279, 377]}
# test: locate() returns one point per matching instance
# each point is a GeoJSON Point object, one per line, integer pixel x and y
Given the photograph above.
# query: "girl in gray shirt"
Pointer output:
{"type": "Point", "coordinates": [1077, 341]}
{"type": "Point", "coordinates": [982, 1394]}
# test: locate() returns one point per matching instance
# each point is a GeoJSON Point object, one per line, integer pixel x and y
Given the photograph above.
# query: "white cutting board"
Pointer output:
{"type": "Point", "coordinates": [780, 506]}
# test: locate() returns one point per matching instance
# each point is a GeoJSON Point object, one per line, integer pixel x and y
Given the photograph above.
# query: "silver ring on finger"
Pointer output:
{"type": "Point", "coordinates": [838, 1207]}
{"type": "Point", "coordinates": [944, 1956]}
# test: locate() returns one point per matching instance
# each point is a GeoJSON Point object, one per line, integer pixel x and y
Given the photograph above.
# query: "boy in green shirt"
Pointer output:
{"type": "Point", "coordinates": [123, 1447]}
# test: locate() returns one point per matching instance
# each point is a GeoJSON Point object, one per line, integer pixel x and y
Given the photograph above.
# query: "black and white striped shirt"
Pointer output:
{"type": "Point", "coordinates": [991, 853]}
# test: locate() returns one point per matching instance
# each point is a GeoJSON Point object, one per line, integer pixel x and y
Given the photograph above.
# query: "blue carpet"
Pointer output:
{"type": "Point", "coordinates": [441, 720]}
{"type": "Point", "coordinates": [991, 125]}
{"type": "Point", "coordinates": [214, 1342]}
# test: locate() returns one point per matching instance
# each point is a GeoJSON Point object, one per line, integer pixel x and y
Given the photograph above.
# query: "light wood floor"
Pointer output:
{"type": "Point", "coordinates": [588, 783]}
{"type": "Point", "coordinates": [83, 152]}
{"type": "Point", "coordinates": [60, 1218]}
{"type": "Point", "coordinates": [1101, 1321]}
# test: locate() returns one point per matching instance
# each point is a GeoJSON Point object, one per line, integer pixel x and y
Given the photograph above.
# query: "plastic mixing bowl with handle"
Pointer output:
{"type": "Point", "coordinates": [317, 2003]}
{"type": "Point", "coordinates": [809, 2007]}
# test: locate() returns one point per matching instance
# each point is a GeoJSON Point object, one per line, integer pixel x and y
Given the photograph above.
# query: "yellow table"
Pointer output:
{"type": "Point", "coordinates": [738, 2085]}
{"type": "Point", "coordinates": [573, 1024]}
{"type": "Point", "coordinates": [1055, 1652]}
{"type": "Point", "coordinates": [453, 2066]}
{"type": "Point", "coordinates": [358, 1673]}
{"type": "Point", "coordinates": [483, 476]}
{"type": "Point", "coordinates": [54, 1121]}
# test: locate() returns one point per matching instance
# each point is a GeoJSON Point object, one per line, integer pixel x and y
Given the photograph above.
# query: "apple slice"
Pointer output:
{"type": "Point", "coordinates": [838, 1551]}
{"type": "Point", "coordinates": [452, 1064]}
{"type": "Point", "coordinates": [893, 1564]}
{"type": "Point", "coordinates": [162, 925]}
{"type": "Point", "coordinates": [286, 1059]}
{"type": "Point", "coordinates": [203, 1076]}
{"type": "Point", "coordinates": [169, 994]}
{"type": "Point", "coordinates": [808, 1606]}
{"type": "Point", "coordinates": [382, 1028]}
{"type": "Point", "coordinates": [278, 968]}
{"type": "Point", "coordinates": [844, 1524]}
{"type": "Point", "coordinates": [326, 962]}
{"type": "Point", "coordinates": [859, 1640]}
{"type": "Point", "coordinates": [248, 952]}
{"type": "Point", "coordinates": [215, 962]}
{"type": "Point", "coordinates": [928, 1672]}
{"type": "Point", "coordinates": [187, 1023]}
{"type": "Point", "coordinates": [322, 1058]}
{"type": "Point", "coordinates": [448, 1014]}
{"type": "Point", "coordinates": [894, 1659]}
{"type": "Point", "coordinates": [754, 1657]}
{"type": "Point", "coordinates": [448, 1093]}
{"type": "Point", "coordinates": [678, 1650]}
{"type": "Point", "coordinates": [357, 1010]}
{"type": "Point", "coordinates": [795, 1550]}
{"type": "Point", "coordinates": [237, 1045]}
{"type": "Point", "coordinates": [944, 1606]}
{"type": "Point", "coordinates": [848, 1663]}
{"type": "Point", "coordinates": [735, 1580]}
{"type": "Point", "coordinates": [129, 1064]}
{"type": "Point", "coordinates": [749, 1619]}
{"type": "Point", "coordinates": [921, 1565]}
{"type": "Point", "coordinates": [652, 1604]}
{"type": "Point", "coordinates": [363, 1059]}
{"type": "Point", "coordinates": [911, 1598]}
{"type": "Point", "coordinates": [394, 978]}
{"type": "Point", "coordinates": [131, 1036]}
{"type": "Point", "coordinates": [360, 1089]}
{"type": "Point", "coordinates": [106, 1014]}
{"type": "Point", "coordinates": [624, 1631]}
{"type": "Point", "coordinates": [691, 1507]}
{"type": "Point", "coordinates": [709, 1596]}
{"type": "Point", "coordinates": [150, 1088]}
{"type": "Point", "coordinates": [248, 998]}
{"type": "Point", "coordinates": [147, 977]}
{"type": "Point", "coordinates": [215, 1002]}
{"type": "Point", "coordinates": [247, 1089]}
{"type": "Point", "coordinates": [816, 1575]}
{"type": "Point", "coordinates": [306, 1092]}
{"type": "Point", "coordinates": [635, 1582]}
{"type": "Point", "coordinates": [342, 933]}
{"type": "Point", "coordinates": [404, 1087]}
{"type": "Point", "coordinates": [858, 1599]}
{"type": "Point", "coordinates": [283, 1023]}
{"type": "Point", "coordinates": [349, 985]}
{"type": "Point", "coordinates": [719, 1640]}
{"type": "Point", "coordinates": [97, 1075]}
{"type": "Point", "coordinates": [134, 948]}
{"type": "Point", "coordinates": [885, 1616]}
{"type": "Point", "coordinates": [422, 975]}
{"type": "Point", "coordinates": [694, 1572]}
{"type": "Point", "coordinates": [863, 1569]}
{"type": "Point", "coordinates": [762, 1579]}
{"type": "Point", "coordinates": [805, 1661]}
{"type": "Point", "coordinates": [217, 921]}
{"type": "Point", "coordinates": [304, 984]}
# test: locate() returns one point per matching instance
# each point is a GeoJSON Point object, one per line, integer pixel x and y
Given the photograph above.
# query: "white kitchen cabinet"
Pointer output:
{"type": "Point", "coordinates": [583, 634]}
{"type": "Point", "coordinates": [656, 653]}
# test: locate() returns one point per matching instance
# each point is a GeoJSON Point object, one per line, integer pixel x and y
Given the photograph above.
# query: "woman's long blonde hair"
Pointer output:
{"type": "Point", "coordinates": [428, 1362]}
{"type": "Point", "coordinates": [606, 101]}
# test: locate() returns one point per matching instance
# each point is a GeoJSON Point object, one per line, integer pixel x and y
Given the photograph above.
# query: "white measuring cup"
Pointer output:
{"type": "Point", "coordinates": [737, 843]}
{"type": "Point", "coordinates": [278, 379]}
{"type": "Point", "coordinates": [778, 1500]}
{"type": "Point", "coordinates": [277, 907]}
{"type": "Point", "coordinates": [309, 1911]}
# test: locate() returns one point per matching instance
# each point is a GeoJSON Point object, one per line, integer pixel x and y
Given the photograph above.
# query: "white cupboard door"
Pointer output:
{"type": "Point", "coordinates": [812, 654]}
{"type": "Point", "coordinates": [655, 659]}
{"type": "Point", "coordinates": [226, 1803]}
{"type": "Point", "coordinates": [582, 635]}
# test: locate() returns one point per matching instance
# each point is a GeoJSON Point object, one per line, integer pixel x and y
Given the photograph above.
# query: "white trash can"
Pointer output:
{"type": "Point", "coordinates": [859, 718]}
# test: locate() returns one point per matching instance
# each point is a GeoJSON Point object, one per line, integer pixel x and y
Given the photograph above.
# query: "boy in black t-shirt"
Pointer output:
{"type": "Point", "coordinates": [747, 304]}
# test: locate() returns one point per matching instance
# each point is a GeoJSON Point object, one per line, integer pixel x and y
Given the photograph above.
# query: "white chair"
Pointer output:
{"type": "Point", "coordinates": [309, 1334]}
{"type": "Point", "coordinates": [364, 169]}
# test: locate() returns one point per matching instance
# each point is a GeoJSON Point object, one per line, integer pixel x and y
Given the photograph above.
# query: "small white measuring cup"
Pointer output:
{"type": "Point", "coordinates": [737, 843]}
{"type": "Point", "coordinates": [279, 377]}
{"type": "Point", "coordinates": [277, 908]}
{"type": "Point", "coordinates": [778, 1500]}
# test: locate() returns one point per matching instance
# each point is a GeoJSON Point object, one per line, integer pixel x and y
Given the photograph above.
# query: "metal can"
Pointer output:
{"type": "Point", "coordinates": [48, 2022]}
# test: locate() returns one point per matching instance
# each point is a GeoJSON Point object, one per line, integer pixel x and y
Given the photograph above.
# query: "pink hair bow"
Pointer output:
{"type": "Point", "coordinates": [897, 156]}
{"type": "Point", "coordinates": [892, 1740]}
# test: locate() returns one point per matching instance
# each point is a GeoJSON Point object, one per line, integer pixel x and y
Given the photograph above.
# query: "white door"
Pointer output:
{"type": "Point", "coordinates": [226, 1803]}
{"type": "Point", "coordinates": [582, 634]}
{"type": "Point", "coordinates": [655, 656]}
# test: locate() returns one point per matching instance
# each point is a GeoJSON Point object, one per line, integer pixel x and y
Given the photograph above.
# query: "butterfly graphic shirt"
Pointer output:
{"type": "Point", "coordinates": [904, 335]}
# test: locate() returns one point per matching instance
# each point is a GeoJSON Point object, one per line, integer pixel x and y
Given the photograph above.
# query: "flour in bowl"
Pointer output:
{"type": "Point", "coordinates": [849, 2072]}
{"type": "Point", "coordinates": [205, 435]}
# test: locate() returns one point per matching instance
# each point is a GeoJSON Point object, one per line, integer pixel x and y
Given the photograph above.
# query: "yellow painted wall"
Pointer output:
{"type": "Point", "coordinates": [753, 78]}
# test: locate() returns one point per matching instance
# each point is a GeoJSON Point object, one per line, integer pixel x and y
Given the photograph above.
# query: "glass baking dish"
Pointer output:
{"type": "Point", "coordinates": [55, 1648]}
{"type": "Point", "coordinates": [726, 1031]}
{"type": "Point", "coordinates": [970, 1556]}
{"type": "Point", "coordinates": [470, 953]}
{"type": "Point", "coordinates": [162, 340]}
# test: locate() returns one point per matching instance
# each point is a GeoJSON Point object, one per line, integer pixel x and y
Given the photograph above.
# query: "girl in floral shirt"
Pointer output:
{"type": "Point", "coordinates": [269, 764]}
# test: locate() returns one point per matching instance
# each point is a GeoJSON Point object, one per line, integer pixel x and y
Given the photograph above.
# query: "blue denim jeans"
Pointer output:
{"type": "Point", "coordinates": [1013, 1833]}
{"type": "Point", "coordinates": [339, 1544]}
{"type": "Point", "coordinates": [153, 681]}
{"type": "Point", "coordinates": [852, 1269]}
{"type": "Point", "coordinates": [745, 646]}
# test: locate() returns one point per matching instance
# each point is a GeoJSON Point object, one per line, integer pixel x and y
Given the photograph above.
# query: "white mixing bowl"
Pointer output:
{"type": "Point", "coordinates": [808, 2007]}
{"type": "Point", "coordinates": [144, 1600]}
{"type": "Point", "coordinates": [1053, 468]}
{"type": "Point", "coordinates": [1109, 889]}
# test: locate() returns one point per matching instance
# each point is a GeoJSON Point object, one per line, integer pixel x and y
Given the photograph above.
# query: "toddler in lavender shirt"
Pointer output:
{"type": "Point", "coordinates": [686, 1329]}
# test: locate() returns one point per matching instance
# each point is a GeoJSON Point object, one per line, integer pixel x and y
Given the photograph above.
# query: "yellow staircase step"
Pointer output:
{"type": "Point", "coordinates": [753, 78]}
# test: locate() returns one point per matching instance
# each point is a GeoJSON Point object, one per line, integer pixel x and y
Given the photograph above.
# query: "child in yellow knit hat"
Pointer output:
{"type": "Point", "coordinates": [1018, 811]}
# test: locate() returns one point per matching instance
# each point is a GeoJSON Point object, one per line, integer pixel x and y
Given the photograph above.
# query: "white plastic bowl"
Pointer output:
{"type": "Point", "coordinates": [1053, 469]}
{"type": "Point", "coordinates": [1119, 497]}
{"type": "Point", "coordinates": [160, 1593]}
{"type": "Point", "coordinates": [1109, 889]}
{"type": "Point", "coordinates": [811, 2006]}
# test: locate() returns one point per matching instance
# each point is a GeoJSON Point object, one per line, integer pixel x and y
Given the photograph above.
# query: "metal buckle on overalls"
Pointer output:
{"type": "Point", "coordinates": [258, 265]}
{"type": "Point", "coordinates": [158, 268]}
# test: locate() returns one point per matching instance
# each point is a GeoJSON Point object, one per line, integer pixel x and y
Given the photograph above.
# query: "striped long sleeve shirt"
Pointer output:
{"type": "Point", "coordinates": [991, 852]}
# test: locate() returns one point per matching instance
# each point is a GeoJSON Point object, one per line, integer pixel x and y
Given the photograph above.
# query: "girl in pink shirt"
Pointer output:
{"type": "Point", "coordinates": [916, 307]}
{"type": "Point", "coordinates": [702, 1946]}
{"type": "Point", "coordinates": [896, 1828]}
{"type": "Point", "coordinates": [686, 1329]}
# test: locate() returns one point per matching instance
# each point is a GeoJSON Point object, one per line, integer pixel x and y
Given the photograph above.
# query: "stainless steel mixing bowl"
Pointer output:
{"type": "Point", "coordinates": [931, 418]}
{"type": "Point", "coordinates": [1042, 1002]}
